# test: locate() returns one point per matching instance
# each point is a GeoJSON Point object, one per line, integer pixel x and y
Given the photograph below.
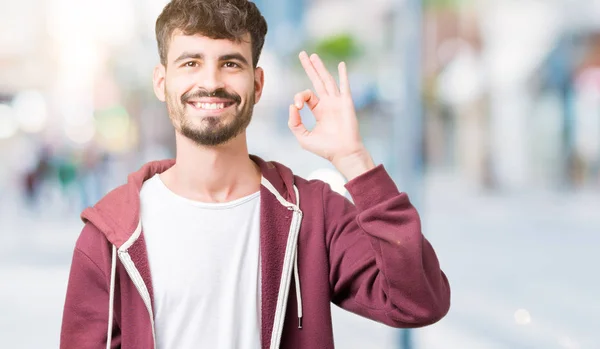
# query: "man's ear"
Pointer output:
{"type": "Point", "coordinates": [259, 83]}
{"type": "Point", "coordinates": [158, 81]}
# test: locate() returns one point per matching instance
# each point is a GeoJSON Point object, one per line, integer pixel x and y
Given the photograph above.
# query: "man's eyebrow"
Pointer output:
{"type": "Point", "coordinates": [234, 56]}
{"type": "Point", "coordinates": [187, 55]}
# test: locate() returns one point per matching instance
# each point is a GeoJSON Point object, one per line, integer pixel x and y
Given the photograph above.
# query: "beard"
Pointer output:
{"type": "Point", "coordinates": [214, 130]}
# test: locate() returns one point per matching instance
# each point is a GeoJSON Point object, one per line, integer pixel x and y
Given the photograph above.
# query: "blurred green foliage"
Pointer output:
{"type": "Point", "coordinates": [443, 4]}
{"type": "Point", "coordinates": [341, 47]}
{"type": "Point", "coordinates": [333, 49]}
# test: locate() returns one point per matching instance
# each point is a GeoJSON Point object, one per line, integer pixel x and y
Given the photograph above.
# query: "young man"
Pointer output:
{"type": "Point", "coordinates": [221, 249]}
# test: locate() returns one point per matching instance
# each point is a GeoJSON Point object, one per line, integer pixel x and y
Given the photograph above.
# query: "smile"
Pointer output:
{"type": "Point", "coordinates": [210, 106]}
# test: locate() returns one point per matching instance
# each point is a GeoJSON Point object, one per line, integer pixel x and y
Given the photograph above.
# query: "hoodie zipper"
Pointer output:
{"type": "Point", "coordinates": [136, 277]}
{"type": "Point", "coordinates": [139, 285]}
{"type": "Point", "coordinates": [287, 271]}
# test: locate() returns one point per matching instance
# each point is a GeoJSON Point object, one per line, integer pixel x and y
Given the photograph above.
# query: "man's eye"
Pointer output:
{"type": "Point", "coordinates": [231, 65]}
{"type": "Point", "coordinates": [191, 64]}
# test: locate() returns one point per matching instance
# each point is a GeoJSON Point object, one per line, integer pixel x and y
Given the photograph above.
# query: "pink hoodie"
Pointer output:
{"type": "Point", "coordinates": [317, 247]}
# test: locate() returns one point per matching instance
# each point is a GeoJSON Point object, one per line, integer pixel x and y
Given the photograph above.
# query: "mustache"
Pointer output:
{"type": "Point", "coordinates": [218, 93]}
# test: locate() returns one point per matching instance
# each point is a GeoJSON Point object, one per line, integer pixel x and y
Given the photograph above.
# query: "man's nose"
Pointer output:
{"type": "Point", "coordinates": [210, 79]}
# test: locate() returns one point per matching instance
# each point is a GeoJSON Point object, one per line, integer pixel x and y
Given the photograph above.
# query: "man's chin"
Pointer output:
{"type": "Point", "coordinates": [207, 137]}
{"type": "Point", "coordinates": [211, 130]}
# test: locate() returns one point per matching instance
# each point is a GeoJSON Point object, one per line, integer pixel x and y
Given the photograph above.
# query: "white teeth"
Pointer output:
{"type": "Point", "coordinates": [209, 106]}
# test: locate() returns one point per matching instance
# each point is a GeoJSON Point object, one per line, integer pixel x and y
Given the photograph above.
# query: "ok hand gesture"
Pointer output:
{"type": "Point", "coordinates": [335, 136]}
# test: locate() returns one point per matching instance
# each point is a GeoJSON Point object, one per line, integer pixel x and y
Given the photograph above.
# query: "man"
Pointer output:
{"type": "Point", "coordinates": [221, 249]}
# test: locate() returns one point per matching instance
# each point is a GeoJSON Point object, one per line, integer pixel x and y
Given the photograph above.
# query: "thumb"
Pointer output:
{"type": "Point", "coordinates": [295, 124]}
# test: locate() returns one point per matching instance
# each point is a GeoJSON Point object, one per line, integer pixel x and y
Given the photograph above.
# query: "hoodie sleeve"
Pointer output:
{"type": "Point", "coordinates": [85, 314]}
{"type": "Point", "coordinates": [381, 265]}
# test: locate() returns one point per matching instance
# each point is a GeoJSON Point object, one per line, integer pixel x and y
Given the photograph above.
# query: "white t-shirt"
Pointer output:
{"type": "Point", "coordinates": [204, 261]}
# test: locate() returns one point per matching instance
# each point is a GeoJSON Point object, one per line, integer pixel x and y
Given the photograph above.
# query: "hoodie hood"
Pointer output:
{"type": "Point", "coordinates": [117, 215]}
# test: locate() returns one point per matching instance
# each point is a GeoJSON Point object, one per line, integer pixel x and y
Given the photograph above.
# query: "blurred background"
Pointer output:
{"type": "Point", "coordinates": [487, 113]}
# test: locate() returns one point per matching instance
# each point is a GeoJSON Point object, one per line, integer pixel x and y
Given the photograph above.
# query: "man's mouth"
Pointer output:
{"type": "Point", "coordinates": [211, 105]}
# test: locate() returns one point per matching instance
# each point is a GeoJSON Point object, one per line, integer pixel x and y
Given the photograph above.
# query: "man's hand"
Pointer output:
{"type": "Point", "coordinates": [335, 136]}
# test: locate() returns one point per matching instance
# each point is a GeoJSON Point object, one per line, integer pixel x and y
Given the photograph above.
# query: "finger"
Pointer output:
{"type": "Point", "coordinates": [307, 97]}
{"type": "Point", "coordinates": [344, 82]}
{"type": "Point", "coordinates": [326, 77]}
{"type": "Point", "coordinates": [295, 123]}
{"type": "Point", "coordinates": [312, 74]}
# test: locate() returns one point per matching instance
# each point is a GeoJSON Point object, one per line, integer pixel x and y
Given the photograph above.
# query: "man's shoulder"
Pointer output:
{"type": "Point", "coordinates": [117, 207]}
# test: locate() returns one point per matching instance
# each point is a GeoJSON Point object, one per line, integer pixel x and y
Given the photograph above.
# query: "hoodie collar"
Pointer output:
{"type": "Point", "coordinates": [117, 214]}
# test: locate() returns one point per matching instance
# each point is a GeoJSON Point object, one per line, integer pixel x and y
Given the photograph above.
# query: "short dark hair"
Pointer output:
{"type": "Point", "coordinates": [216, 19]}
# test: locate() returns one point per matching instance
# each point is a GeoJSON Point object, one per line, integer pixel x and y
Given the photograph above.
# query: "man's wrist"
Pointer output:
{"type": "Point", "coordinates": [355, 164]}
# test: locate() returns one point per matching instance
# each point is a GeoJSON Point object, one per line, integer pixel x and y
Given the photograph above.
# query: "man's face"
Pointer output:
{"type": "Point", "coordinates": [210, 87]}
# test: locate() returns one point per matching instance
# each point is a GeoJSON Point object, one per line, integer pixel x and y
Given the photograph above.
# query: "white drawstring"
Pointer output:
{"type": "Point", "coordinates": [298, 291]}
{"type": "Point", "coordinates": [290, 264]}
{"type": "Point", "coordinates": [296, 271]}
{"type": "Point", "coordinates": [111, 299]}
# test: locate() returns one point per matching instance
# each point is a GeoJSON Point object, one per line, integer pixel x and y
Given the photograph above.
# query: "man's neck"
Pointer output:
{"type": "Point", "coordinates": [213, 174]}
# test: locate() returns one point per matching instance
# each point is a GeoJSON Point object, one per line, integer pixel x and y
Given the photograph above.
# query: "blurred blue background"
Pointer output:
{"type": "Point", "coordinates": [487, 112]}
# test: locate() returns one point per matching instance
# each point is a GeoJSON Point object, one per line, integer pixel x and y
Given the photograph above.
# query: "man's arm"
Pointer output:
{"type": "Point", "coordinates": [381, 266]}
{"type": "Point", "coordinates": [85, 314]}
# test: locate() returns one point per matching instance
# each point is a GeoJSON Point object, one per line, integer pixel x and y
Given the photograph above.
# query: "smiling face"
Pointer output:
{"type": "Point", "coordinates": [210, 87]}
